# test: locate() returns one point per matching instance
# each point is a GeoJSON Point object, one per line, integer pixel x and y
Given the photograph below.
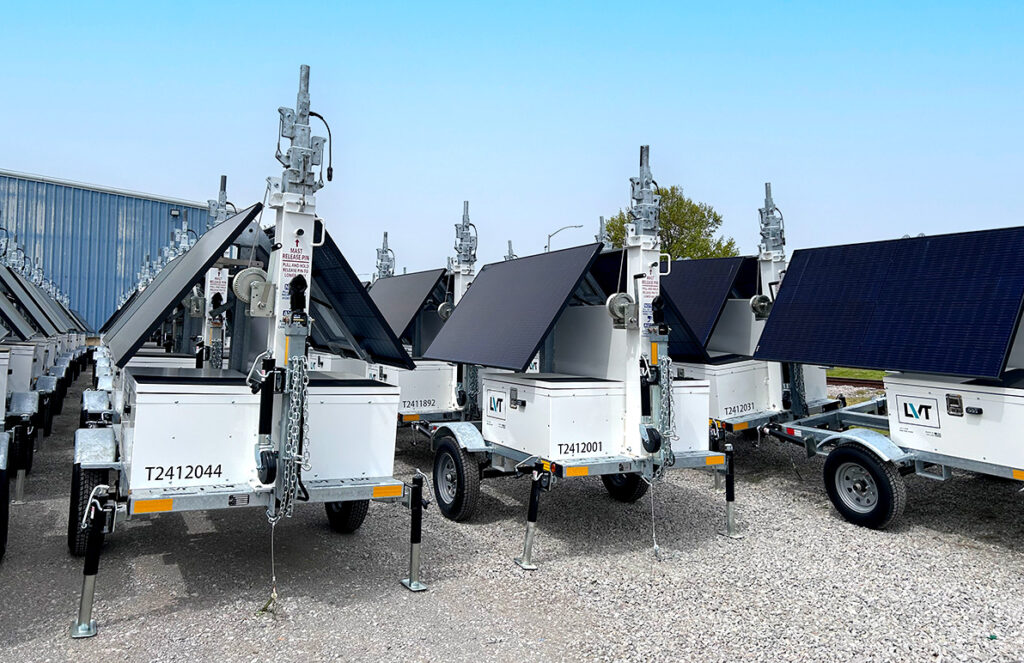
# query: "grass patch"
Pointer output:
{"type": "Point", "coordinates": [856, 373]}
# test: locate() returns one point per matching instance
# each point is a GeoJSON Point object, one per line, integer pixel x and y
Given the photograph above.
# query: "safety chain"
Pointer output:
{"type": "Point", "coordinates": [667, 416]}
{"type": "Point", "coordinates": [296, 437]}
{"type": "Point", "coordinates": [217, 354]}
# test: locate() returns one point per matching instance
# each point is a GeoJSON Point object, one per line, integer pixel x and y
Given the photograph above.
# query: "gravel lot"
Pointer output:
{"type": "Point", "coordinates": [945, 585]}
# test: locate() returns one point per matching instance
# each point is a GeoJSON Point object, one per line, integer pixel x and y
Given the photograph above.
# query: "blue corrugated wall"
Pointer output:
{"type": "Point", "coordinates": [91, 241]}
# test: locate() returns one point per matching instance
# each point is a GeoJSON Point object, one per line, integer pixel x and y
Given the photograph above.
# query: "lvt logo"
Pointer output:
{"type": "Point", "coordinates": [917, 411]}
{"type": "Point", "coordinates": [496, 401]}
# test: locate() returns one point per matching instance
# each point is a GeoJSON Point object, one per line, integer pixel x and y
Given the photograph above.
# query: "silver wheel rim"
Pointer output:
{"type": "Point", "coordinates": [856, 487]}
{"type": "Point", "coordinates": [447, 480]}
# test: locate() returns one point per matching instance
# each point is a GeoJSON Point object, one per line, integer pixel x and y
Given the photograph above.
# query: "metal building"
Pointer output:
{"type": "Point", "coordinates": [91, 240]}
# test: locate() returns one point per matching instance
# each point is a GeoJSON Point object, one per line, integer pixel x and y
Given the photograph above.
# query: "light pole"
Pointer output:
{"type": "Point", "coordinates": [547, 247]}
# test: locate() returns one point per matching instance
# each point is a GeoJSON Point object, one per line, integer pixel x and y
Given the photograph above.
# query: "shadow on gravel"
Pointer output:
{"type": "Point", "coordinates": [976, 507]}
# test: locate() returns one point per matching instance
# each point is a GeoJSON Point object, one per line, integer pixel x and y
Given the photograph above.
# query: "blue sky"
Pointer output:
{"type": "Point", "coordinates": [872, 121]}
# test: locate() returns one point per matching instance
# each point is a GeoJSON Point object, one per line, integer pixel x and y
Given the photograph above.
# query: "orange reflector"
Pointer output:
{"type": "Point", "coordinates": [714, 460]}
{"type": "Point", "coordinates": [388, 491]}
{"type": "Point", "coordinates": [1018, 475]}
{"type": "Point", "coordinates": [545, 465]}
{"type": "Point", "coordinates": [577, 471]}
{"type": "Point", "coordinates": [410, 417]}
{"type": "Point", "coordinates": [654, 353]}
{"type": "Point", "coordinates": [152, 506]}
{"type": "Point", "coordinates": [742, 426]}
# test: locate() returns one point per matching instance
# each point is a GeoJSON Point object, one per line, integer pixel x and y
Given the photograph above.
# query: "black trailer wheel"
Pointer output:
{"type": "Point", "coordinates": [48, 412]}
{"type": "Point", "coordinates": [625, 487]}
{"type": "Point", "coordinates": [864, 489]}
{"type": "Point", "coordinates": [346, 517]}
{"type": "Point", "coordinates": [83, 482]}
{"type": "Point", "coordinates": [5, 510]}
{"type": "Point", "coordinates": [456, 480]}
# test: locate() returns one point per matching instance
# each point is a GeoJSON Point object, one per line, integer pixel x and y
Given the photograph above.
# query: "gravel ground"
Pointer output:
{"type": "Point", "coordinates": [944, 585]}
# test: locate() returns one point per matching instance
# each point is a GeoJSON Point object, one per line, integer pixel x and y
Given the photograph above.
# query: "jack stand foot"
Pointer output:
{"type": "Point", "coordinates": [414, 585]}
{"type": "Point", "coordinates": [83, 630]}
{"type": "Point", "coordinates": [719, 483]}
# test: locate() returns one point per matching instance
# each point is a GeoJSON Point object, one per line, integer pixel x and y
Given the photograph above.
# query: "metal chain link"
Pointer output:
{"type": "Point", "coordinates": [296, 437]}
{"type": "Point", "coordinates": [668, 414]}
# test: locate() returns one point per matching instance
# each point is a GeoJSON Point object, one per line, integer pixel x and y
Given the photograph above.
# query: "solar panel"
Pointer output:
{"type": "Point", "coordinates": [25, 301]}
{"type": "Point", "coordinates": [155, 303]}
{"type": "Point", "coordinates": [400, 298]}
{"type": "Point", "coordinates": [511, 307]}
{"type": "Point", "coordinates": [340, 302]}
{"type": "Point", "coordinates": [14, 320]}
{"type": "Point", "coordinates": [948, 305]}
{"type": "Point", "coordinates": [46, 304]}
{"type": "Point", "coordinates": [117, 314]}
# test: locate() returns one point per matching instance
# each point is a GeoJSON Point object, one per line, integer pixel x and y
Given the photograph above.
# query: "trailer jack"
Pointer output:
{"type": "Point", "coordinates": [416, 505]}
{"type": "Point", "coordinates": [95, 520]}
{"type": "Point", "coordinates": [526, 560]}
{"type": "Point", "coordinates": [731, 530]}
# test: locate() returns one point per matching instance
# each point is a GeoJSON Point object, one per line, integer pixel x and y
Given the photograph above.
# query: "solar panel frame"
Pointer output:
{"type": "Point", "coordinates": [36, 315]}
{"type": "Point", "coordinates": [14, 320]}
{"type": "Point", "coordinates": [400, 298]}
{"type": "Point", "coordinates": [46, 304]}
{"type": "Point", "coordinates": [510, 309]}
{"type": "Point", "coordinates": [117, 313]}
{"type": "Point", "coordinates": [943, 304]}
{"type": "Point", "coordinates": [342, 294]}
{"type": "Point", "coordinates": [155, 303]}
{"type": "Point", "coordinates": [700, 288]}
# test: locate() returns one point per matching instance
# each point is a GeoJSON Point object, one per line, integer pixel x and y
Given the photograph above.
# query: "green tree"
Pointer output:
{"type": "Point", "coordinates": [688, 228]}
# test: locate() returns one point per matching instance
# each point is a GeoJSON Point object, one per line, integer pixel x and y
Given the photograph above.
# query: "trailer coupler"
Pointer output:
{"type": "Point", "coordinates": [416, 505]}
{"type": "Point", "coordinates": [95, 520]}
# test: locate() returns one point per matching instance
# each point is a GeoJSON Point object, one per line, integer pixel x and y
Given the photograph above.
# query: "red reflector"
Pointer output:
{"type": "Point", "coordinates": [790, 431]}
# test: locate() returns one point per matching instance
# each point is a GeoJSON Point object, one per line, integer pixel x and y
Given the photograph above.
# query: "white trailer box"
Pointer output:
{"type": "Point", "coordinates": [431, 387]}
{"type": "Point", "coordinates": [26, 359]}
{"type": "Point", "coordinates": [188, 428]}
{"type": "Point", "coordinates": [556, 417]}
{"type": "Point", "coordinates": [351, 428]}
{"type": "Point", "coordinates": [969, 419]}
{"type": "Point", "coordinates": [690, 407]}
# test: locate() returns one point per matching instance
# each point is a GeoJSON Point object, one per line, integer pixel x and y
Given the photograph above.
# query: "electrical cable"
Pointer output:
{"type": "Point", "coordinates": [330, 146]}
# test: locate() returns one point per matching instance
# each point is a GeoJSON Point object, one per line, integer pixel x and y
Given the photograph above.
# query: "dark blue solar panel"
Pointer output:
{"type": "Point", "coordinates": [20, 296]}
{"type": "Point", "coordinates": [400, 298]}
{"type": "Point", "coordinates": [341, 301]}
{"type": "Point", "coordinates": [948, 305]}
{"type": "Point", "coordinates": [512, 305]}
{"type": "Point", "coordinates": [699, 289]}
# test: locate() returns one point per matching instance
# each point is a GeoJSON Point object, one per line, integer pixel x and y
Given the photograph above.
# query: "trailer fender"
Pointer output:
{"type": "Point", "coordinates": [23, 404]}
{"type": "Point", "coordinates": [465, 433]}
{"type": "Point", "coordinates": [5, 439]}
{"type": "Point", "coordinates": [871, 440]}
{"type": "Point", "coordinates": [96, 449]}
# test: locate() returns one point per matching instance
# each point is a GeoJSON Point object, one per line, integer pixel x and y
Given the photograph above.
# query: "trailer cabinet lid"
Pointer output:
{"type": "Point", "coordinates": [187, 381]}
{"type": "Point", "coordinates": [326, 383]}
{"type": "Point", "coordinates": [1011, 385]}
{"type": "Point", "coordinates": [553, 381]}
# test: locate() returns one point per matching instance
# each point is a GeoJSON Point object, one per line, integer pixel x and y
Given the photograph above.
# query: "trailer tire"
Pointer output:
{"type": "Point", "coordinates": [456, 480]}
{"type": "Point", "coordinates": [5, 510]}
{"type": "Point", "coordinates": [83, 482]}
{"type": "Point", "coordinates": [346, 517]}
{"type": "Point", "coordinates": [626, 488]}
{"type": "Point", "coordinates": [864, 489]}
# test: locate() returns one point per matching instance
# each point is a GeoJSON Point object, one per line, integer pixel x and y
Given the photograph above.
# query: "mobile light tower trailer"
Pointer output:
{"type": "Point", "coordinates": [416, 306]}
{"type": "Point", "coordinates": [941, 314]}
{"type": "Point", "coordinates": [201, 439]}
{"type": "Point", "coordinates": [601, 405]}
{"type": "Point", "coordinates": [716, 309]}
